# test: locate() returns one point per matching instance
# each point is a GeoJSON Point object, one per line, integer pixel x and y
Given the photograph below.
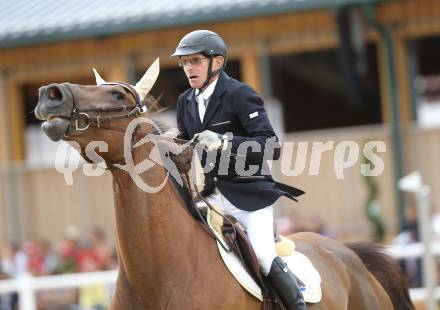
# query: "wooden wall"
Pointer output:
{"type": "Point", "coordinates": [44, 204]}
{"type": "Point", "coordinates": [340, 202]}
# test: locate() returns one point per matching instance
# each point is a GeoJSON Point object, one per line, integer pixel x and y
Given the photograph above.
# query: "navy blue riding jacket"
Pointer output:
{"type": "Point", "coordinates": [241, 172]}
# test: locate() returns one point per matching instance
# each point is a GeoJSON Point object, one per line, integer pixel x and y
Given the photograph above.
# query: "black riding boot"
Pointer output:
{"type": "Point", "coordinates": [286, 286]}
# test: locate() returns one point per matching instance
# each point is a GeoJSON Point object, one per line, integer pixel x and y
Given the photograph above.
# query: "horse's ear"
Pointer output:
{"type": "Point", "coordinates": [99, 79]}
{"type": "Point", "coordinates": [145, 84]}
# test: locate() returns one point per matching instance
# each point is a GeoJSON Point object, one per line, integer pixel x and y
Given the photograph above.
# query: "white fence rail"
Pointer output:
{"type": "Point", "coordinates": [27, 285]}
{"type": "Point", "coordinates": [412, 250]}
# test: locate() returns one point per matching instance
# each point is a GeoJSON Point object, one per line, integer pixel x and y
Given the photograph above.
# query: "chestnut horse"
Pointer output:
{"type": "Point", "coordinates": [166, 259]}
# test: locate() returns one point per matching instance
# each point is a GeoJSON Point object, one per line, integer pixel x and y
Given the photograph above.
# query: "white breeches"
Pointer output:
{"type": "Point", "coordinates": [258, 225]}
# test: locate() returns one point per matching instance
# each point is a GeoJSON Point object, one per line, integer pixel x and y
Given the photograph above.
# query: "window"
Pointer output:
{"type": "Point", "coordinates": [316, 94]}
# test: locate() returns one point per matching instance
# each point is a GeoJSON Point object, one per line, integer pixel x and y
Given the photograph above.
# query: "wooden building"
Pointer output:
{"type": "Point", "coordinates": [329, 70]}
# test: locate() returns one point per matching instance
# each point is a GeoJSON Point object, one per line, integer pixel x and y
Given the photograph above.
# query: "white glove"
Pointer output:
{"type": "Point", "coordinates": [209, 140]}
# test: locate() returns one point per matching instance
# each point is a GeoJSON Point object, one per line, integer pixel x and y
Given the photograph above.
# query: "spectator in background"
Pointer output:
{"type": "Point", "coordinates": [410, 234]}
{"type": "Point", "coordinates": [100, 248]}
{"type": "Point", "coordinates": [49, 257]}
{"type": "Point", "coordinates": [64, 260]}
{"type": "Point", "coordinates": [289, 223]}
{"type": "Point", "coordinates": [34, 260]}
{"type": "Point", "coordinates": [97, 257]}
{"type": "Point", "coordinates": [69, 251]}
{"type": "Point", "coordinates": [93, 296]}
{"type": "Point", "coordinates": [285, 225]}
{"type": "Point", "coordinates": [13, 260]}
{"type": "Point", "coordinates": [3, 302]}
{"type": "Point", "coordinates": [13, 263]}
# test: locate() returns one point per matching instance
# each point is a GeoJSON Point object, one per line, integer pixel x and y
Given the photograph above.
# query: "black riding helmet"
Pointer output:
{"type": "Point", "coordinates": [206, 42]}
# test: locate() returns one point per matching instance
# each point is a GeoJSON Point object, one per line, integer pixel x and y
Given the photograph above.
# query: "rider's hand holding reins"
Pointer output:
{"type": "Point", "coordinates": [210, 140]}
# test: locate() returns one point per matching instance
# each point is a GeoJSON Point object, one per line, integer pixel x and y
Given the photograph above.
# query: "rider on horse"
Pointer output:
{"type": "Point", "coordinates": [227, 118]}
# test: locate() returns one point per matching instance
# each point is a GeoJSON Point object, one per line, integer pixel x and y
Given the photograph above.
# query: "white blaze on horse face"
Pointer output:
{"type": "Point", "coordinates": [99, 79]}
{"type": "Point", "coordinates": [145, 84]}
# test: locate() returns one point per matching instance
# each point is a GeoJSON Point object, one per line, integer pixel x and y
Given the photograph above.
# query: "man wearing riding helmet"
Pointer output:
{"type": "Point", "coordinates": [227, 117]}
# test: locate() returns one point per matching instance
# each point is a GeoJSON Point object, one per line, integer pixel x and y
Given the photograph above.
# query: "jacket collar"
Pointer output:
{"type": "Point", "coordinates": [220, 88]}
{"type": "Point", "coordinates": [206, 94]}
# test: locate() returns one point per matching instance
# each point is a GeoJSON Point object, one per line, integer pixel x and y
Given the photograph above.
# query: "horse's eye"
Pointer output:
{"type": "Point", "coordinates": [117, 95]}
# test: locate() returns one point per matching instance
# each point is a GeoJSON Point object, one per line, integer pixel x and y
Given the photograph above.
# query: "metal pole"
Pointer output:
{"type": "Point", "coordinates": [425, 231]}
{"type": "Point", "coordinates": [395, 114]}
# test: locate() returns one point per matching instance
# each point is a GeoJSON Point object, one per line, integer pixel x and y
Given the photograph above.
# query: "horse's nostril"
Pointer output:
{"type": "Point", "coordinates": [54, 93]}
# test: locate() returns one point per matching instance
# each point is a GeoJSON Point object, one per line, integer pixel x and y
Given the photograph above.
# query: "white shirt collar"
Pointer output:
{"type": "Point", "coordinates": [208, 90]}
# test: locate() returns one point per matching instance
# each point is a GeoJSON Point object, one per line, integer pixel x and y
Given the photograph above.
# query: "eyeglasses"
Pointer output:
{"type": "Point", "coordinates": [193, 61]}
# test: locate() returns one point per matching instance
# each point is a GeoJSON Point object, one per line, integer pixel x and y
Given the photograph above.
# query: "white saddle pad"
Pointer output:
{"type": "Point", "coordinates": [298, 263]}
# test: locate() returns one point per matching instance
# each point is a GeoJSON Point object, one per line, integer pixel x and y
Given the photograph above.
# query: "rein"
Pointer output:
{"type": "Point", "coordinates": [205, 225]}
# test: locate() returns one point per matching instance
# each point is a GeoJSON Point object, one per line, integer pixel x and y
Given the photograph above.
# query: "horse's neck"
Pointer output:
{"type": "Point", "coordinates": [155, 234]}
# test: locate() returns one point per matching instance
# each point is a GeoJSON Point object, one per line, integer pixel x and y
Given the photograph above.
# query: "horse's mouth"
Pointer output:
{"type": "Point", "coordinates": [55, 117]}
{"type": "Point", "coordinates": [56, 127]}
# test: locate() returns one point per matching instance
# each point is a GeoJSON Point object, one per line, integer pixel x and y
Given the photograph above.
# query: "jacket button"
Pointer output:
{"type": "Point", "coordinates": [211, 165]}
{"type": "Point", "coordinates": [215, 179]}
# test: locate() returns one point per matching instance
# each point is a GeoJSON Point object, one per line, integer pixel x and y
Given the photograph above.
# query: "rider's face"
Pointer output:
{"type": "Point", "coordinates": [196, 69]}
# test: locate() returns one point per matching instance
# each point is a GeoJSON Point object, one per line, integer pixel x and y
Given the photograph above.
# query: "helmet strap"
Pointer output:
{"type": "Point", "coordinates": [210, 75]}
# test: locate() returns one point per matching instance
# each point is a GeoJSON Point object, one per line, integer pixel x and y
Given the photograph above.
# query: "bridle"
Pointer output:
{"type": "Point", "coordinates": [99, 121]}
{"type": "Point", "coordinates": [103, 121]}
{"type": "Point", "coordinates": [79, 114]}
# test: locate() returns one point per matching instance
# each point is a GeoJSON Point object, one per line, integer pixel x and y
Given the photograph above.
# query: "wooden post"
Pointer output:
{"type": "Point", "coordinates": [250, 69]}
{"type": "Point", "coordinates": [11, 120]}
{"type": "Point", "coordinates": [403, 79]}
{"type": "Point", "coordinates": [16, 121]}
{"type": "Point", "coordinates": [118, 71]}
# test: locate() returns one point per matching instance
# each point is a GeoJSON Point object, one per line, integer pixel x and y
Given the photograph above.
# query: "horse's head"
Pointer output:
{"type": "Point", "coordinates": [86, 113]}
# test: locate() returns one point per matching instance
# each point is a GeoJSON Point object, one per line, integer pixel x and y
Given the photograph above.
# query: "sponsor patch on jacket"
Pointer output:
{"type": "Point", "coordinates": [253, 115]}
